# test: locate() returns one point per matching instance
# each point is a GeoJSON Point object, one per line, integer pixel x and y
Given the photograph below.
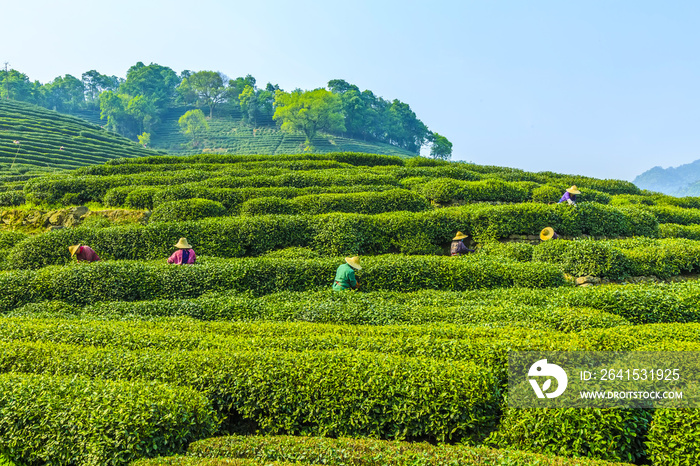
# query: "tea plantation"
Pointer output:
{"type": "Point", "coordinates": [248, 357]}
{"type": "Point", "coordinates": [35, 140]}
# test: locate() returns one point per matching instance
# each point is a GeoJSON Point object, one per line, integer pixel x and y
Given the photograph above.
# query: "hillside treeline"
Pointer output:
{"type": "Point", "coordinates": [137, 104]}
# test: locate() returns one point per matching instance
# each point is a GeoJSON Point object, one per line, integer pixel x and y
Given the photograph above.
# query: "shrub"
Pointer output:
{"type": "Point", "coordinates": [187, 210]}
{"type": "Point", "coordinates": [299, 392]}
{"type": "Point", "coordinates": [131, 281]}
{"type": "Point", "coordinates": [268, 206]}
{"type": "Point", "coordinates": [581, 258]}
{"type": "Point", "coordinates": [367, 452]}
{"type": "Point", "coordinates": [672, 230]}
{"type": "Point", "coordinates": [546, 194]}
{"type": "Point", "coordinates": [607, 434]}
{"type": "Point", "coordinates": [330, 234]}
{"type": "Point", "coordinates": [70, 420]}
{"type": "Point", "coordinates": [11, 198]}
{"type": "Point", "coordinates": [10, 238]}
{"type": "Point", "coordinates": [673, 437]}
{"type": "Point", "coordinates": [521, 252]}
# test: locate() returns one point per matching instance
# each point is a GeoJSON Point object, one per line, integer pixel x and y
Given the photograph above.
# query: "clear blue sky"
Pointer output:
{"type": "Point", "coordinates": [600, 88]}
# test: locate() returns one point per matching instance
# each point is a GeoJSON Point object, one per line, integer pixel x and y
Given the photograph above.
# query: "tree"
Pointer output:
{"type": "Point", "coordinates": [193, 123]}
{"type": "Point", "coordinates": [95, 83]}
{"type": "Point", "coordinates": [404, 129]}
{"type": "Point", "coordinates": [145, 139]}
{"type": "Point", "coordinates": [441, 148]}
{"type": "Point", "coordinates": [309, 112]}
{"type": "Point", "coordinates": [204, 88]}
{"type": "Point", "coordinates": [248, 100]}
{"type": "Point", "coordinates": [154, 81]}
{"type": "Point", "coordinates": [16, 85]}
{"type": "Point", "coordinates": [127, 115]}
{"type": "Point", "coordinates": [237, 85]}
{"type": "Point", "coordinates": [64, 94]}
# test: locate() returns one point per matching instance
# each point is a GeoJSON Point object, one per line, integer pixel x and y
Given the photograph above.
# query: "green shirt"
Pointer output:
{"type": "Point", "coordinates": [344, 278]}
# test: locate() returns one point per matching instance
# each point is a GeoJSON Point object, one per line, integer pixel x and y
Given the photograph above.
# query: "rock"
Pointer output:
{"type": "Point", "coordinates": [54, 218]}
{"type": "Point", "coordinates": [587, 280]}
{"type": "Point", "coordinates": [78, 212]}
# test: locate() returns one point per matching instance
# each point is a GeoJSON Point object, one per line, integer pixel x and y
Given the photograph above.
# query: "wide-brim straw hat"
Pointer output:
{"type": "Point", "coordinates": [183, 244]}
{"type": "Point", "coordinates": [74, 249]}
{"type": "Point", "coordinates": [354, 262]}
{"type": "Point", "coordinates": [573, 190]}
{"type": "Point", "coordinates": [547, 233]}
{"type": "Point", "coordinates": [459, 236]}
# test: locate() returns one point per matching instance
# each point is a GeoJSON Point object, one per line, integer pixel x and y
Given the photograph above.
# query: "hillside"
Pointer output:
{"type": "Point", "coordinates": [257, 360]}
{"type": "Point", "coordinates": [228, 134]}
{"type": "Point", "coordinates": [676, 181]}
{"type": "Point", "coordinates": [35, 140]}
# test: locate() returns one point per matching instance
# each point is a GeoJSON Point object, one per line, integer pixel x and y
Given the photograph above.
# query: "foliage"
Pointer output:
{"type": "Point", "coordinates": [193, 124]}
{"type": "Point", "coordinates": [186, 210]}
{"type": "Point", "coordinates": [71, 420]}
{"type": "Point", "coordinates": [366, 452]}
{"type": "Point", "coordinates": [607, 434]}
{"type": "Point", "coordinates": [283, 391]}
{"type": "Point", "coordinates": [309, 112]}
{"type": "Point", "coordinates": [441, 147]}
{"type": "Point", "coordinates": [204, 88]}
{"type": "Point", "coordinates": [130, 281]}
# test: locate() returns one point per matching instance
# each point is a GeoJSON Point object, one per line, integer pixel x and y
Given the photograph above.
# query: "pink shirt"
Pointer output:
{"type": "Point", "coordinates": [176, 257]}
{"type": "Point", "coordinates": [86, 254]}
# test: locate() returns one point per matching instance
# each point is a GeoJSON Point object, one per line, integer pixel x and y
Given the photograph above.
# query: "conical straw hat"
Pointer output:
{"type": "Point", "coordinates": [459, 236]}
{"type": "Point", "coordinates": [354, 262]}
{"type": "Point", "coordinates": [183, 244]}
{"type": "Point", "coordinates": [573, 190]}
{"type": "Point", "coordinates": [547, 233]}
{"type": "Point", "coordinates": [74, 249]}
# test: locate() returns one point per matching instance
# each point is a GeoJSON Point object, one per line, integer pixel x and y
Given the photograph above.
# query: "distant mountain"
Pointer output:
{"type": "Point", "coordinates": [676, 181]}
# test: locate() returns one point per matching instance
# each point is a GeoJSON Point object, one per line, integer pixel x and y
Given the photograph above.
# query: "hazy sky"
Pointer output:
{"type": "Point", "coordinates": [600, 88]}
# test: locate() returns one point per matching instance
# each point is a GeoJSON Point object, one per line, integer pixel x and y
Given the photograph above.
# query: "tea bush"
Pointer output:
{"type": "Point", "coordinates": [72, 420]}
{"type": "Point", "coordinates": [366, 452]}
{"type": "Point", "coordinates": [187, 210]}
{"type": "Point", "coordinates": [299, 393]}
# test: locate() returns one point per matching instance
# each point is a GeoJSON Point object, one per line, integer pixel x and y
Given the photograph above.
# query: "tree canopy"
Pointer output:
{"type": "Point", "coordinates": [138, 104]}
{"type": "Point", "coordinates": [193, 123]}
{"type": "Point", "coordinates": [309, 112]}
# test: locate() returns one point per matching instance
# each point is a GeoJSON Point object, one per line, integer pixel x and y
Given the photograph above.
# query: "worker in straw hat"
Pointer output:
{"type": "Point", "coordinates": [457, 248]}
{"type": "Point", "coordinates": [345, 275]}
{"type": "Point", "coordinates": [548, 233]}
{"type": "Point", "coordinates": [184, 254]}
{"type": "Point", "coordinates": [83, 253]}
{"type": "Point", "coordinates": [570, 195]}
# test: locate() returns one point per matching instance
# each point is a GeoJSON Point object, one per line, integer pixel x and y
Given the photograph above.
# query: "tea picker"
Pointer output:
{"type": "Point", "coordinates": [457, 248]}
{"type": "Point", "coordinates": [83, 253]}
{"type": "Point", "coordinates": [570, 195]}
{"type": "Point", "coordinates": [345, 275]}
{"type": "Point", "coordinates": [184, 254]}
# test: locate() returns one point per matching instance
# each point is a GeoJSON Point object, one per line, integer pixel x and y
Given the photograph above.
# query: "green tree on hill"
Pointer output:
{"type": "Point", "coordinates": [193, 123]}
{"type": "Point", "coordinates": [95, 83]}
{"type": "Point", "coordinates": [236, 86]}
{"type": "Point", "coordinates": [256, 103]}
{"type": "Point", "coordinates": [64, 94]}
{"type": "Point", "coordinates": [16, 85]}
{"type": "Point", "coordinates": [155, 82]}
{"type": "Point", "coordinates": [309, 112]}
{"type": "Point", "coordinates": [204, 88]}
{"type": "Point", "coordinates": [441, 148]}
